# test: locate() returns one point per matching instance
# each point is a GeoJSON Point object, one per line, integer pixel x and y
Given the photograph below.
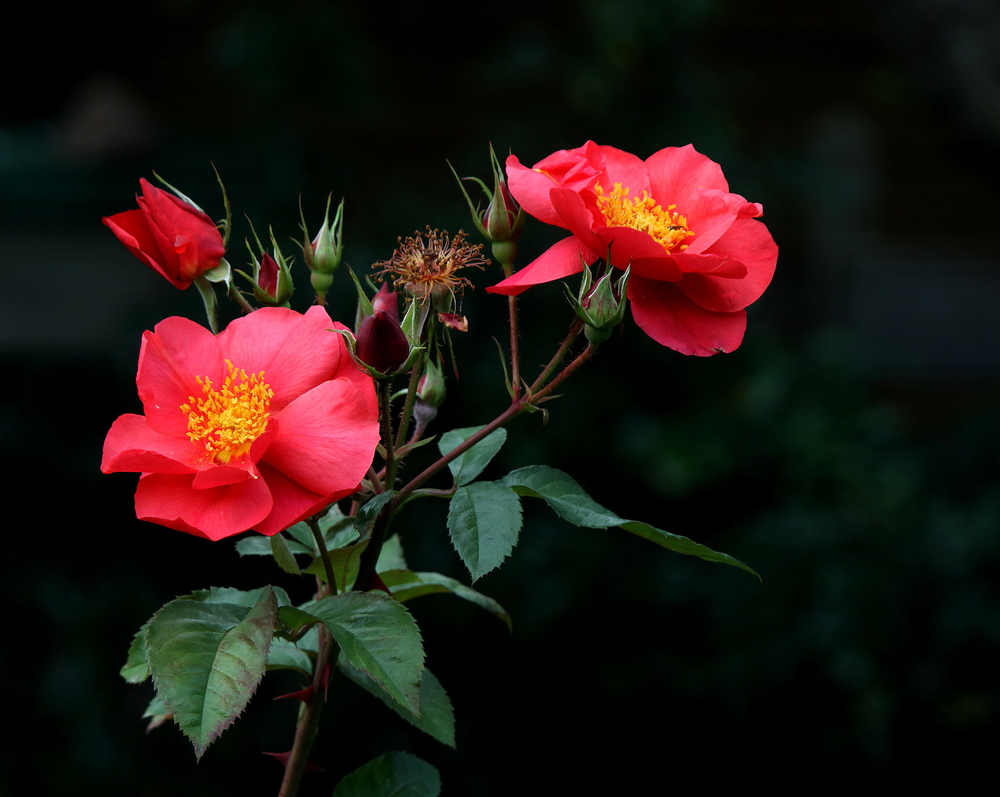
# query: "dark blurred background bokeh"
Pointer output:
{"type": "Point", "coordinates": [848, 451]}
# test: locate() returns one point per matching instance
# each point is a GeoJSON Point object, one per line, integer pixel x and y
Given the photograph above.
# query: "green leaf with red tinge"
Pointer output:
{"type": "Point", "coordinates": [406, 585]}
{"type": "Point", "coordinates": [569, 500]}
{"type": "Point", "coordinates": [207, 659]}
{"type": "Point", "coordinates": [391, 775]}
{"type": "Point", "coordinates": [377, 636]}
{"type": "Point", "coordinates": [484, 521]}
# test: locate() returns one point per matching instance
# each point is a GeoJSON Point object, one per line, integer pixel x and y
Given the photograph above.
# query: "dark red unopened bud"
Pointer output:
{"type": "Point", "coordinates": [387, 301]}
{"type": "Point", "coordinates": [267, 279]}
{"type": "Point", "coordinates": [381, 343]}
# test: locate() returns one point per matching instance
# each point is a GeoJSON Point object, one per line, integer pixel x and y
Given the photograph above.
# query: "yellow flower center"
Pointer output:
{"type": "Point", "coordinates": [668, 229]}
{"type": "Point", "coordinates": [227, 421]}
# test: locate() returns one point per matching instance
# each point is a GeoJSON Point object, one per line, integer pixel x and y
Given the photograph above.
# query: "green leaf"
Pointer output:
{"type": "Point", "coordinates": [282, 555]}
{"type": "Point", "coordinates": [675, 542]}
{"type": "Point", "coordinates": [406, 584]}
{"type": "Point", "coordinates": [238, 597]}
{"type": "Point", "coordinates": [561, 492]}
{"type": "Point", "coordinates": [136, 669]}
{"type": "Point", "coordinates": [207, 659]}
{"type": "Point", "coordinates": [468, 465]}
{"type": "Point", "coordinates": [156, 713]}
{"type": "Point", "coordinates": [391, 555]}
{"type": "Point", "coordinates": [484, 520]}
{"type": "Point", "coordinates": [368, 512]}
{"type": "Point", "coordinates": [285, 655]}
{"type": "Point", "coordinates": [377, 636]}
{"type": "Point", "coordinates": [391, 775]}
{"type": "Point", "coordinates": [436, 718]}
{"type": "Point", "coordinates": [294, 619]}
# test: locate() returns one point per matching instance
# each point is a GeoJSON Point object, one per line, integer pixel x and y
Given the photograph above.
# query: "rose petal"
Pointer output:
{"type": "Point", "coordinates": [749, 243]}
{"type": "Point", "coordinates": [676, 174]}
{"type": "Point", "coordinates": [625, 168]}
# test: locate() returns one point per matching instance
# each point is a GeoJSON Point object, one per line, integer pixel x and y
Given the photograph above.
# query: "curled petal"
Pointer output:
{"type": "Point", "coordinates": [748, 243]}
{"type": "Point", "coordinates": [132, 446]}
{"type": "Point", "coordinates": [560, 260]}
{"type": "Point", "coordinates": [576, 169]}
{"type": "Point", "coordinates": [291, 501]}
{"type": "Point", "coordinates": [217, 512]}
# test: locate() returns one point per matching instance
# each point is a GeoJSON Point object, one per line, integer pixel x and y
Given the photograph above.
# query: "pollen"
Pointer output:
{"type": "Point", "coordinates": [427, 264]}
{"type": "Point", "coordinates": [226, 421]}
{"type": "Point", "coordinates": [667, 227]}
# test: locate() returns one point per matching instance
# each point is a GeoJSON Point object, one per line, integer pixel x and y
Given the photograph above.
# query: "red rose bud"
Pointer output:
{"type": "Point", "coordinates": [267, 275]}
{"type": "Point", "coordinates": [324, 252]}
{"type": "Point", "coordinates": [381, 343]}
{"type": "Point", "coordinates": [601, 306]}
{"type": "Point", "coordinates": [171, 236]}
{"type": "Point", "coordinates": [503, 218]}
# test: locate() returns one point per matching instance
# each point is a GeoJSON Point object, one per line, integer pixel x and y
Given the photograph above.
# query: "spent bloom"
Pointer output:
{"type": "Point", "coordinates": [254, 428]}
{"type": "Point", "coordinates": [426, 266]}
{"type": "Point", "coordinates": [697, 254]}
{"type": "Point", "coordinates": [171, 236]}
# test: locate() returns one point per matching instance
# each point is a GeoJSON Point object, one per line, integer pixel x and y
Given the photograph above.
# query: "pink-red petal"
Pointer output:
{"type": "Point", "coordinates": [328, 435]}
{"type": "Point", "coordinates": [176, 352]}
{"type": "Point", "coordinates": [132, 229]}
{"type": "Point", "coordinates": [676, 174]}
{"type": "Point", "coordinates": [625, 168]}
{"type": "Point", "coordinates": [673, 320]}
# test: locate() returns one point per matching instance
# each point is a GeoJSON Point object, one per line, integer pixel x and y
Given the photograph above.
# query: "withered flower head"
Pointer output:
{"type": "Point", "coordinates": [426, 265]}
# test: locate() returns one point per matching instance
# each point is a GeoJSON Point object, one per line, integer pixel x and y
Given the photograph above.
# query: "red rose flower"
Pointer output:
{"type": "Point", "coordinates": [254, 428]}
{"type": "Point", "coordinates": [697, 253]}
{"type": "Point", "coordinates": [169, 235]}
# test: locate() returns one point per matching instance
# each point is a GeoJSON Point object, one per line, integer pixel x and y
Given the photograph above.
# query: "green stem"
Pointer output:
{"type": "Point", "coordinates": [575, 329]}
{"type": "Point", "coordinates": [308, 724]}
{"type": "Point", "coordinates": [515, 350]}
{"type": "Point", "coordinates": [324, 554]}
{"type": "Point", "coordinates": [411, 397]}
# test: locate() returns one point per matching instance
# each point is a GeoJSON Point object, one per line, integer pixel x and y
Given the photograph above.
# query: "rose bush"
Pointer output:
{"type": "Point", "coordinates": [254, 428]}
{"type": "Point", "coordinates": [169, 235]}
{"type": "Point", "coordinates": [697, 253]}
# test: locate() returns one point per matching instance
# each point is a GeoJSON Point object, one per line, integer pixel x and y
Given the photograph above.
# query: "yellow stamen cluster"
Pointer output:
{"type": "Point", "coordinates": [668, 229]}
{"type": "Point", "coordinates": [428, 268]}
{"type": "Point", "coordinates": [227, 421]}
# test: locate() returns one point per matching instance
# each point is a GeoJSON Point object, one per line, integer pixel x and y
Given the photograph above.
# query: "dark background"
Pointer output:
{"type": "Point", "coordinates": [848, 451]}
